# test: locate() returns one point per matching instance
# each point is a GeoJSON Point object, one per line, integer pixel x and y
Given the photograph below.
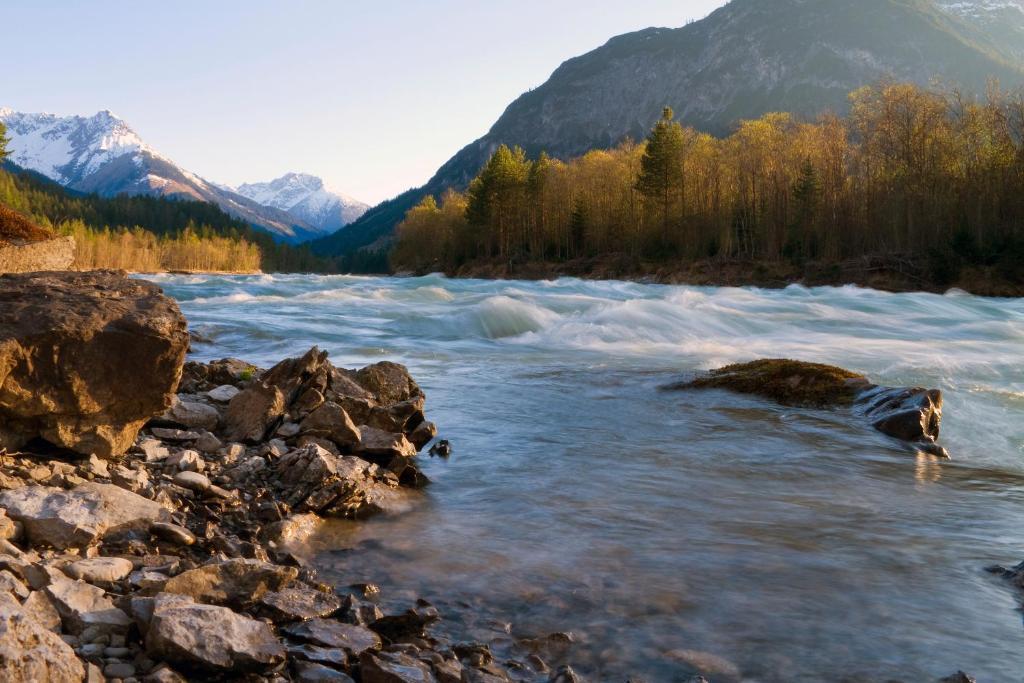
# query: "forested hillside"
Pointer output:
{"type": "Point", "coordinates": [930, 180]}
{"type": "Point", "coordinates": [150, 233]}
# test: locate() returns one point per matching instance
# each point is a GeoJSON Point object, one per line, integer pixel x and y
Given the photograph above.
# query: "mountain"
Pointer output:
{"type": "Point", "coordinates": [102, 154]}
{"type": "Point", "coordinates": [306, 198]}
{"type": "Point", "coordinates": [745, 59]}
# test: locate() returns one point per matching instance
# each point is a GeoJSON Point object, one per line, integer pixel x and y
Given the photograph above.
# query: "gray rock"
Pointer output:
{"type": "Point", "coordinates": [119, 670]}
{"type": "Point", "coordinates": [82, 606]}
{"type": "Point", "coordinates": [164, 674]}
{"type": "Point", "coordinates": [187, 461]}
{"type": "Point", "coordinates": [96, 467]}
{"type": "Point", "coordinates": [134, 480]}
{"type": "Point", "coordinates": [153, 449]}
{"type": "Point", "coordinates": [223, 394]}
{"type": "Point", "coordinates": [209, 637]}
{"type": "Point", "coordinates": [298, 603]}
{"type": "Point", "coordinates": [911, 414]}
{"type": "Point", "coordinates": [31, 653]}
{"type": "Point", "coordinates": [99, 569]}
{"type": "Point", "coordinates": [311, 672]}
{"type": "Point", "coordinates": [333, 633]}
{"type": "Point", "coordinates": [192, 481]}
{"type": "Point", "coordinates": [393, 667]}
{"type": "Point", "coordinates": [175, 435]}
{"type": "Point", "coordinates": [208, 443]}
{"type": "Point", "coordinates": [236, 582]}
{"type": "Point", "coordinates": [77, 518]}
{"type": "Point", "coordinates": [288, 430]}
{"type": "Point", "coordinates": [192, 414]}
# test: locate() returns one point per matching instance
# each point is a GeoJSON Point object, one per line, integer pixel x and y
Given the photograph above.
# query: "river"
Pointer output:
{"type": "Point", "coordinates": [671, 532]}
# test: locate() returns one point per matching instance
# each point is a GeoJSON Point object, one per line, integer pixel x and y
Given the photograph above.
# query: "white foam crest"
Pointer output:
{"type": "Point", "coordinates": [500, 317]}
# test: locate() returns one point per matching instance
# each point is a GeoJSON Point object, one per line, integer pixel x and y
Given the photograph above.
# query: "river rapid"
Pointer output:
{"type": "Point", "coordinates": [672, 532]}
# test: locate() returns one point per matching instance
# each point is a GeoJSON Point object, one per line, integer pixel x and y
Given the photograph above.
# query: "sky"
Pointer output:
{"type": "Point", "coordinates": [372, 96]}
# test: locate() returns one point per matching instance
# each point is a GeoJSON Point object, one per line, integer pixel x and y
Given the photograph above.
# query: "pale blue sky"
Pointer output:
{"type": "Point", "coordinates": [372, 96]}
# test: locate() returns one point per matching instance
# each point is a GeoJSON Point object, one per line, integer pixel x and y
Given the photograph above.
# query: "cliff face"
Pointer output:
{"type": "Point", "coordinates": [746, 59]}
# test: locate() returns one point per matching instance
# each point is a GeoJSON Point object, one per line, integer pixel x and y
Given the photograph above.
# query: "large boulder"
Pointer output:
{"type": "Point", "coordinates": [29, 652]}
{"type": "Point", "coordinates": [209, 638]}
{"type": "Point", "coordinates": [81, 516]}
{"type": "Point", "coordinates": [912, 414]}
{"type": "Point", "coordinates": [85, 359]}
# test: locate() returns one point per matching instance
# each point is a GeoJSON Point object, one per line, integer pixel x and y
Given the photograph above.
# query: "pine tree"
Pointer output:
{"type": "Point", "coordinates": [806, 193]}
{"type": "Point", "coordinates": [661, 166]}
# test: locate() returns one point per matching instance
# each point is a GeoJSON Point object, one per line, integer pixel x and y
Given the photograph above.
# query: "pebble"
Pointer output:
{"type": "Point", "coordinates": [99, 569]}
{"type": "Point", "coordinates": [119, 670]}
{"type": "Point", "coordinates": [192, 481]}
{"type": "Point", "coordinates": [172, 533]}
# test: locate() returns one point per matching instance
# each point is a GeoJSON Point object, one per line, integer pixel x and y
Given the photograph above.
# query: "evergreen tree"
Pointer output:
{"type": "Point", "coordinates": [806, 193]}
{"type": "Point", "coordinates": [4, 141]}
{"type": "Point", "coordinates": [661, 167]}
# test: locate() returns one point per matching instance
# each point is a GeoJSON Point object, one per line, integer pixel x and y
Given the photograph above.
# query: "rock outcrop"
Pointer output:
{"type": "Point", "coordinates": [912, 414]}
{"type": "Point", "coordinates": [85, 359]}
{"type": "Point", "coordinates": [52, 254]}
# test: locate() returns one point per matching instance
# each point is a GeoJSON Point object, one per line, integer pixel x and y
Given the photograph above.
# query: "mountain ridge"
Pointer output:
{"type": "Point", "coordinates": [743, 60]}
{"type": "Point", "coordinates": [308, 198]}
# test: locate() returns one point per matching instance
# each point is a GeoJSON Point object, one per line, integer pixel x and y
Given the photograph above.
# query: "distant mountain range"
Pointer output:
{"type": "Point", "coordinates": [745, 59]}
{"type": "Point", "coordinates": [102, 154]}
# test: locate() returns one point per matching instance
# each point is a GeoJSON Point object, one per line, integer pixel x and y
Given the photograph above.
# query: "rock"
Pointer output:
{"type": "Point", "coordinates": [330, 421]}
{"type": "Point", "coordinates": [186, 460]}
{"type": "Point", "coordinates": [96, 467]}
{"type": "Point", "coordinates": [40, 607]}
{"type": "Point", "coordinates": [231, 371]}
{"type": "Point", "coordinates": [909, 414]}
{"type": "Point", "coordinates": [423, 434]}
{"type": "Point", "coordinates": [332, 633]}
{"type": "Point", "coordinates": [237, 582]}
{"type": "Point", "coordinates": [134, 480]}
{"type": "Point", "coordinates": [380, 446]}
{"type": "Point", "coordinates": [192, 481]}
{"type": "Point", "coordinates": [82, 606]}
{"type": "Point", "coordinates": [164, 674]}
{"type": "Point", "coordinates": [76, 518]}
{"type": "Point", "coordinates": [393, 667]}
{"type": "Point", "coordinates": [208, 443]}
{"type": "Point", "coordinates": [209, 638]}
{"type": "Point", "coordinates": [441, 449]}
{"type": "Point", "coordinates": [172, 533]}
{"type": "Point", "coordinates": [310, 672]}
{"type": "Point", "coordinates": [320, 655]}
{"type": "Point", "coordinates": [359, 612]}
{"type": "Point", "coordinates": [99, 569]}
{"type": "Point", "coordinates": [566, 674]}
{"type": "Point", "coordinates": [293, 530]}
{"type": "Point", "coordinates": [287, 430]}
{"type": "Point", "coordinates": [389, 382]}
{"type": "Point", "coordinates": [412, 622]}
{"type": "Point", "coordinates": [223, 394]}
{"type": "Point", "coordinates": [119, 670]}
{"type": "Point", "coordinates": [153, 449]}
{"type": "Point", "coordinates": [253, 412]}
{"type": "Point", "coordinates": [9, 529]}
{"type": "Point", "coordinates": [298, 604]}
{"type": "Point", "coordinates": [707, 663]}
{"type": "Point", "coordinates": [958, 677]}
{"type": "Point", "coordinates": [313, 480]}
{"type": "Point", "coordinates": [176, 435]}
{"type": "Point", "coordinates": [30, 653]}
{"type": "Point", "coordinates": [86, 358]}
{"type": "Point", "coordinates": [293, 376]}
{"type": "Point", "coordinates": [12, 585]}
{"type": "Point", "coordinates": [191, 414]}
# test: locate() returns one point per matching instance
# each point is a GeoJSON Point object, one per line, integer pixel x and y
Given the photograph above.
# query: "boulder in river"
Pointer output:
{"type": "Point", "coordinates": [909, 414]}
{"type": "Point", "coordinates": [85, 359]}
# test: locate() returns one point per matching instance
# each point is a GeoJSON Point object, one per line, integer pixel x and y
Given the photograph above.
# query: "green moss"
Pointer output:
{"type": "Point", "coordinates": [790, 382]}
{"type": "Point", "coordinates": [246, 375]}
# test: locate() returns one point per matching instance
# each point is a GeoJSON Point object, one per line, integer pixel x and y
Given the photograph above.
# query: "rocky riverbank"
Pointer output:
{"type": "Point", "coordinates": [145, 518]}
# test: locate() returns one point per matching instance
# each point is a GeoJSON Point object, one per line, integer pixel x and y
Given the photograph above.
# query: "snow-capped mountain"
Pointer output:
{"type": "Point", "coordinates": [102, 154]}
{"type": "Point", "coordinates": [999, 23]}
{"type": "Point", "coordinates": [307, 198]}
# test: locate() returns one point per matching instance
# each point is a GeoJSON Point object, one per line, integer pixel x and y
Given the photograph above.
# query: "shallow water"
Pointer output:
{"type": "Point", "coordinates": [769, 543]}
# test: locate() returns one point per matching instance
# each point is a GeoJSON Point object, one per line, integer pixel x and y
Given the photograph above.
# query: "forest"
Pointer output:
{"type": "Point", "coordinates": [926, 175]}
{"type": "Point", "coordinates": [151, 233]}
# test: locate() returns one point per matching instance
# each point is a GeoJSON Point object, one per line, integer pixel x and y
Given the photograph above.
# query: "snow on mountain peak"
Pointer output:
{"type": "Point", "coordinates": [307, 197]}
{"type": "Point", "coordinates": [979, 9]}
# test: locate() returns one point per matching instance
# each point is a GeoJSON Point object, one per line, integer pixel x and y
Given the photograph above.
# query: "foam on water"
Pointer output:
{"type": "Point", "coordinates": [799, 545]}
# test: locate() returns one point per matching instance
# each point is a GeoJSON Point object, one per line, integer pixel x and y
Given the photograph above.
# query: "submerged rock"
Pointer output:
{"type": "Point", "coordinates": [909, 414]}
{"type": "Point", "coordinates": [85, 359]}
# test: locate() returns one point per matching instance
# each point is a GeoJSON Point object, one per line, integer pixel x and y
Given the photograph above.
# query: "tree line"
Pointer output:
{"type": "Point", "coordinates": [933, 174]}
{"type": "Point", "coordinates": [103, 223]}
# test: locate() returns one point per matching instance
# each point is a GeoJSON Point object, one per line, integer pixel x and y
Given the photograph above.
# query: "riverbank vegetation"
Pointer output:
{"type": "Point", "coordinates": [927, 178]}
{"type": "Point", "coordinates": [151, 233]}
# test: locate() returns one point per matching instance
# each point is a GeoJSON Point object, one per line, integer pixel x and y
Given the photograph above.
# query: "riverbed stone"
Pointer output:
{"type": "Point", "coordinates": [237, 582]}
{"type": "Point", "coordinates": [100, 569]}
{"type": "Point", "coordinates": [58, 334]}
{"type": "Point", "coordinates": [194, 481]}
{"type": "Point", "coordinates": [333, 633]}
{"type": "Point", "coordinates": [192, 414]}
{"type": "Point", "coordinates": [298, 603]}
{"type": "Point", "coordinates": [76, 518]}
{"type": "Point", "coordinates": [83, 606]}
{"type": "Point", "coordinates": [172, 533]}
{"type": "Point", "coordinates": [30, 652]}
{"type": "Point", "coordinates": [209, 637]}
{"type": "Point", "coordinates": [393, 667]}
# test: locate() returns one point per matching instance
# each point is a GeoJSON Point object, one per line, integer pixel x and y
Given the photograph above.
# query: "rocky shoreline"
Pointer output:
{"type": "Point", "coordinates": [150, 507]}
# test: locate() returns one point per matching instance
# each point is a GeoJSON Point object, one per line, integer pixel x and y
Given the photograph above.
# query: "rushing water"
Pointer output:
{"type": "Point", "coordinates": [674, 531]}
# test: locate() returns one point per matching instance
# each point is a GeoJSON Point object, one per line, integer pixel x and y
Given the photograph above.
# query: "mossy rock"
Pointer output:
{"type": "Point", "coordinates": [789, 382]}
